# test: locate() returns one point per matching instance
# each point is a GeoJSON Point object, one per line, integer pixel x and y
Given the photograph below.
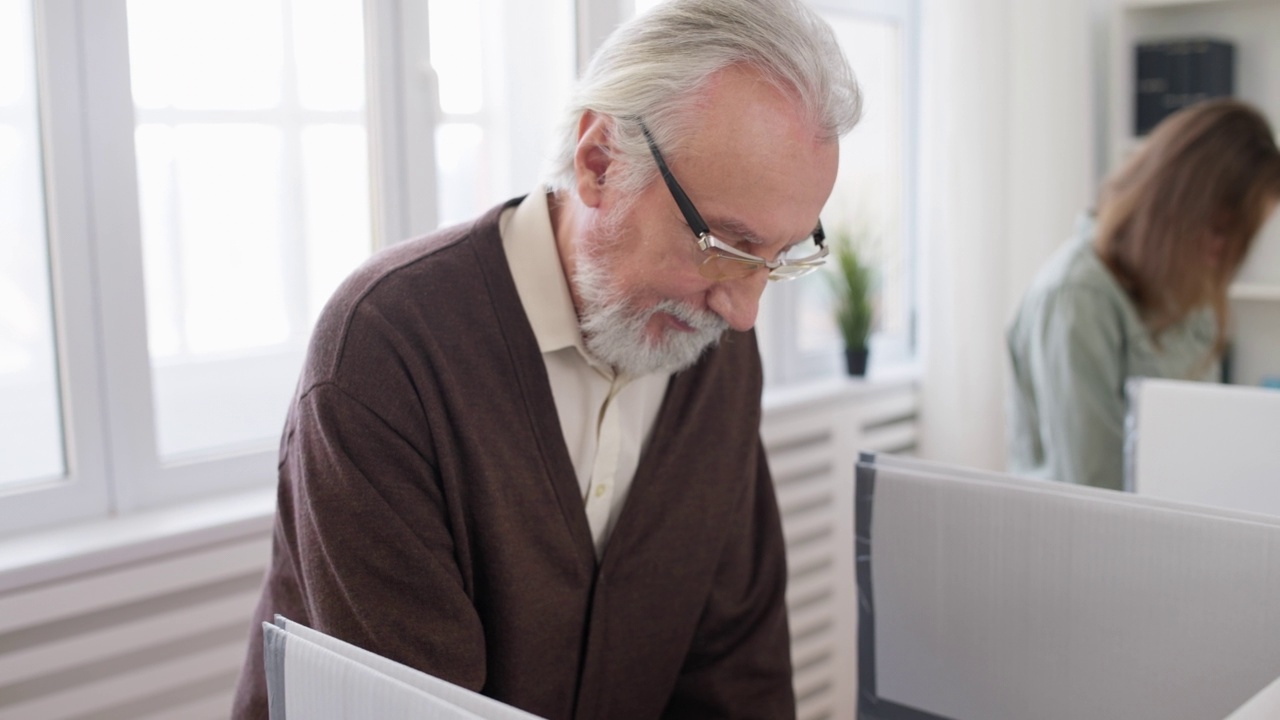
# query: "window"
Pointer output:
{"type": "Point", "coordinates": [183, 183]}
{"type": "Point", "coordinates": [254, 202]}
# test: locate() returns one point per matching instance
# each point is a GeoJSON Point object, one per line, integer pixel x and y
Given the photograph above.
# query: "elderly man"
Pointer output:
{"type": "Point", "coordinates": [524, 455]}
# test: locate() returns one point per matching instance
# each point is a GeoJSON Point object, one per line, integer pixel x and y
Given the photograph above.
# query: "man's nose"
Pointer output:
{"type": "Point", "coordinates": [738, 301]}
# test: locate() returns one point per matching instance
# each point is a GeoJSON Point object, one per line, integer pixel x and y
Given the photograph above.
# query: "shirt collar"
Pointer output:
{"type": "Point", "coordinates": [530, 245]}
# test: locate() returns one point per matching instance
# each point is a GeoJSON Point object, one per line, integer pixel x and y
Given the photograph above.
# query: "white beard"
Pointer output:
{"type": "Point", "coordinates": [616, 334]}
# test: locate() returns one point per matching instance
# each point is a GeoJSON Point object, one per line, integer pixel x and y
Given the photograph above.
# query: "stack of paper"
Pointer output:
{"type": "Point", "coordinates": [313, 676]}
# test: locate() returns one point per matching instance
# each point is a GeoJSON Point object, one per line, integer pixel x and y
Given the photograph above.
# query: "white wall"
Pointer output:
{"type": "Point", "coordinates": [1008, 156]}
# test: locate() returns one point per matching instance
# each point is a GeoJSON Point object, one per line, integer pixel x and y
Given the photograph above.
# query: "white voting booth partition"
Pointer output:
{"type": "Point", "coordinates": [1204, 443]}
{"type": "Point", "coordinates": [991, 597]}
{"type": "Point", "coordinates": [314, 676]}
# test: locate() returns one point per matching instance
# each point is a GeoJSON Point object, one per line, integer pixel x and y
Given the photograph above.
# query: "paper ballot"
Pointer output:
{"type": "Point", "coordinates": [315, 676]}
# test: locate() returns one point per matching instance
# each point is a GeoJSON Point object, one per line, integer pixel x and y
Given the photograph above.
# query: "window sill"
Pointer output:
{"type": "Point", "coordinates": [840, 388]}
{"type": "Point", "coordinates": [48, 555]}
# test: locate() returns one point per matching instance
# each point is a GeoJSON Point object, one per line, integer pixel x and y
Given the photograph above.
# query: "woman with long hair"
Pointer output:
{"type": "Point", "coordinates": [1140, 291]}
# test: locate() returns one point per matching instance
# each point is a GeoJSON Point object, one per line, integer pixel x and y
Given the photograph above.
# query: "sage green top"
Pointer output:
{"type": "Point", "coordinates": [1075, 341]}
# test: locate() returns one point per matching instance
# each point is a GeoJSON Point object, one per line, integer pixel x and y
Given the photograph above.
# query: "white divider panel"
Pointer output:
{"type": "Point", "coordinates": [1205, 443]}
{"type": "Point", "coordinates": [1001, 598]}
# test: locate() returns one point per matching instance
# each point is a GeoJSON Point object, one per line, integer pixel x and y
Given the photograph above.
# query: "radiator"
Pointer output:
{"type": "Point", "coordinates": [813, 442]}
{"type": "Point", "coordinates": [160, 638]}
{"type": "Point", "coordinates": [163, 635]}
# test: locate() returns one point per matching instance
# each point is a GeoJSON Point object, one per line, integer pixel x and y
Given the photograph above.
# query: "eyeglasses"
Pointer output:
{"type": "Point", "coordinates": [725, 262]}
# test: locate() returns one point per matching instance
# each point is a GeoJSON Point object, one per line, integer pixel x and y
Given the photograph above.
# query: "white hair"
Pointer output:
{"type": "Point", "coordinates": [653, 67]}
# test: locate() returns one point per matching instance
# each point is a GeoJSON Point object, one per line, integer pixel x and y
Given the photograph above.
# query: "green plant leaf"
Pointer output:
{"type": "Point", "coordinates": [851, 284]}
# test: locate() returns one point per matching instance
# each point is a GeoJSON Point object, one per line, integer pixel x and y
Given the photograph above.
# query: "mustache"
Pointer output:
{"type": "Point", "coordinates": [705, 321]}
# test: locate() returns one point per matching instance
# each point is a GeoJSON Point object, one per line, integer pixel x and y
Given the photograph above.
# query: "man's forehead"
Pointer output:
{"type": "Point", "coordinates": [758, 199]}
{"type": "Point", "coordinates": [753, 161]}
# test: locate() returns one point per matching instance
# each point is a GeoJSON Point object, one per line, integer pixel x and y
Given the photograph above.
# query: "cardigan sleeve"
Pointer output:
{"type": "Point", "coordinates": [363, 549]}
{"type": "Point", "coordinates": [740, 663]}
{"type": "Point", "coordinates": [1077, 371]}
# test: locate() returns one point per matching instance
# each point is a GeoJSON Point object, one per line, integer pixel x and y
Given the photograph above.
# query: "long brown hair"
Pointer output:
{"type": "Point", "coordinates": [1208, 173]}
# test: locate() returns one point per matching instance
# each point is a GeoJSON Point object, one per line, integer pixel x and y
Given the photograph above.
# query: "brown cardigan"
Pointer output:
{"type": "Point", "coordinates": [429, 512]}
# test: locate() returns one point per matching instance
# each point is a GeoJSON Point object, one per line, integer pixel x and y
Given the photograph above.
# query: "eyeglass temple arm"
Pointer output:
{"type": "Point", "coordinates": [696, 223]}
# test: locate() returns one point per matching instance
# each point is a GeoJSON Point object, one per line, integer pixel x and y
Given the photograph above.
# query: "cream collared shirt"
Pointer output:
{"type": "Point", "coordinates": [606, 418]}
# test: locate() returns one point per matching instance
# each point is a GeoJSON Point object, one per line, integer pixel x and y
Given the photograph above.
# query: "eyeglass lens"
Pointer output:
{"type": "Point", "coordinates": [715, 265]}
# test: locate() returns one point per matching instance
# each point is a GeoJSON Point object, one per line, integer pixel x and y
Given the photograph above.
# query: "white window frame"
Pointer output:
{"type": "Point", "coordinates": [87, 127]}
{"type": "Point", "coordinates": [403, 102]}
{"type": "Point", "coordinates": [84, 490]}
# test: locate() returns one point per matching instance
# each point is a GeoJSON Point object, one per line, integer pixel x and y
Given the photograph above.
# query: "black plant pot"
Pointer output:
{"type": "Point", "coordinates": [856, 361]}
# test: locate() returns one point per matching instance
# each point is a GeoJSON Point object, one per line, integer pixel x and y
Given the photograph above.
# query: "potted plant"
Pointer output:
{"type": "Point", "coordinates": [851, 286]}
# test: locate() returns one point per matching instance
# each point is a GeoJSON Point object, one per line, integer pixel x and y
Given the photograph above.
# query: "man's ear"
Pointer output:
{"type": "Point", "coordinates": [592, 157]}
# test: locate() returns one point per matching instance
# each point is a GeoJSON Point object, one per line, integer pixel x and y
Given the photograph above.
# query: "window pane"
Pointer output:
{"type": "Point", "coordinates": [867, 201]}
{"type": "Point", "coordinates": [30, 418]}
{"type": "Point", "coordinates": [456, 54]}
{"type": "Point", "coordinates": [460, 166]}
{"type": "Point", "coordinates": [505, 72]}
{"type": "Point", "coordinates": [330, 57]}
{"type": "Point", "coordinates": [200, 55]}
{"type": "Point", "coordinates": [254, 199]}
{"type": "Point", "coordinates": [217, 189]}
{"type": "Point", "coordinates": [335, 162]}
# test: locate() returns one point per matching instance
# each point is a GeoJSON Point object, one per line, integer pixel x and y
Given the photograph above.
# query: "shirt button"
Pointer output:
{"type": "Point", "coordinates": [601, 489]}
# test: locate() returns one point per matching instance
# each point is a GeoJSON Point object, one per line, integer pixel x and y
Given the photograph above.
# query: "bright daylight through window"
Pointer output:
{"type": "Point", "coordinates": [503, 73]}
{"type": "Point", "coordinates": [184, 183]}
{"type": "Point", "coordinates": [254, 195]}
{"type": "Point", "coordinates": [30, 416]}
